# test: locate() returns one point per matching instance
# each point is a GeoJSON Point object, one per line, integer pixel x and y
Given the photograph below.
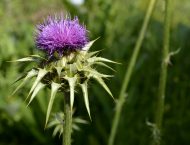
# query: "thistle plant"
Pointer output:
{"type": "Point", "coordinates": [163, 75]}
{"type": "Point", "coordinates": [65, 66]}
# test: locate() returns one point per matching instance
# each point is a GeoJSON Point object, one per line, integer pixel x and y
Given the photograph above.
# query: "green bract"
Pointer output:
{"type": "Point", "coordinates": [64, 75]}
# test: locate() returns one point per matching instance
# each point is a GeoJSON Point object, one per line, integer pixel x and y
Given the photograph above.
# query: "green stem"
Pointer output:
{"type": "Point", "coordinates": [129, 71]}
{"type": "Point", "coordinates": [163, 72]}
{"type": "Point", "coordinates": [67, 122]}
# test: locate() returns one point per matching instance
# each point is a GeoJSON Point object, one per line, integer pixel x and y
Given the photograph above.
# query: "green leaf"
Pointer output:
{"type": "Point", "coordinates": [29, 75]}
{"type": "Point", "coordinates": [72, 82]}
{"type": "Point", "coordinates": [36, 90]}
{"type": "Point", "coordinates": [41, 74]}
{"type": "Point", "coordinates": [103, 84]}
{"type": "Point", "coordinates": [54, 89]}
{"type": "Point", "coordinates": [84, 88]}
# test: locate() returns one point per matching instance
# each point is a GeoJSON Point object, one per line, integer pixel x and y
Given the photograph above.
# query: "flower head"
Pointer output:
{"type": "Point", "coordinates": [61, 35]}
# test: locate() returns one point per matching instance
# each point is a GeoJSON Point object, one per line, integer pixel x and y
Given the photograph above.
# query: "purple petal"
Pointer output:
{"type": "Point", "coordinates": [61, 35]}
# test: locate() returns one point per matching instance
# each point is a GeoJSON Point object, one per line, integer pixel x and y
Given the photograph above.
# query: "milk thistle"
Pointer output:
{"type": "Point", "coordinates": [66, 65]}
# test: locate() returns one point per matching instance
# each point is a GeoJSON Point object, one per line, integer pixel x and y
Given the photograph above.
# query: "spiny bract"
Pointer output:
{"type": "Point", "coordinates": [65, 74]}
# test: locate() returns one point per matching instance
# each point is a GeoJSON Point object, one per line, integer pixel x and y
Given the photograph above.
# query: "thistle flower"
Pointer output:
{"type": "Point", "coordinates": [74, 68]}
{"type": "Point", "coordinates": [61, 35]}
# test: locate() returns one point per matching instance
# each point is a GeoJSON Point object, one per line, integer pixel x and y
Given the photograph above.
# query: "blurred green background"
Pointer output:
{"type": "Point", "coordinates": [117, 23]}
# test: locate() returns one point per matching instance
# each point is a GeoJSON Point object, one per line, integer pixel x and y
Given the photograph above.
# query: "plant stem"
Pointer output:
{"type": "Point", "coordinates": [67, 122]}
{"type": "Point", "coordinates": [128, 74]}
{"type": "Point", "coordinates": [163, 72]}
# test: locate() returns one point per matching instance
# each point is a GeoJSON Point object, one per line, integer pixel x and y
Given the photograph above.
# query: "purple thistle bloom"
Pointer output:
{"type": "Point", "coordinates": [61, 35]}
